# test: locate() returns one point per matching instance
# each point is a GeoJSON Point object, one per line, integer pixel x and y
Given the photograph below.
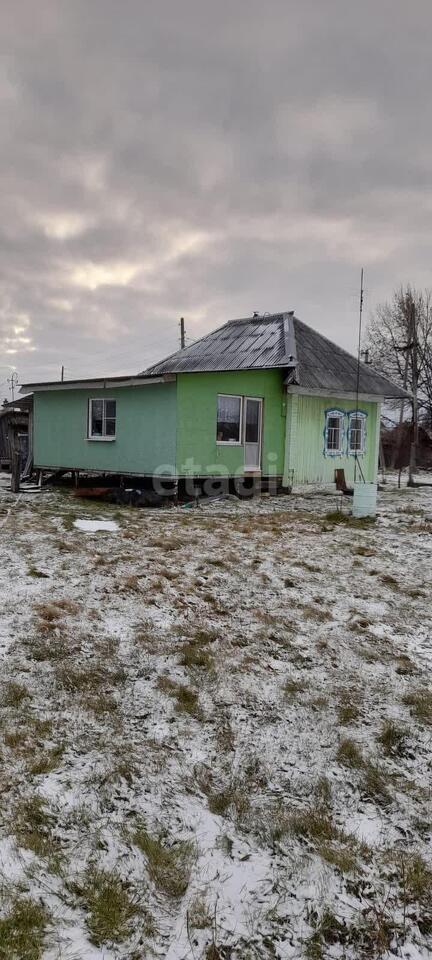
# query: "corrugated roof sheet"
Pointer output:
{"type": "Point", "coordinates": [246, 344]}
{"type": "Point", "coordinates": [278, 340]}
{"type": "Point", "coordinates": [323, 365]}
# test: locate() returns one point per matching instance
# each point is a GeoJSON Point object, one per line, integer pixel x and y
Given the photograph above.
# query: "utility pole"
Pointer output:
{"type": "Point", "coordinates": [413, 334]}
{"type": "Point", "coordinates": [182, 333]}
{"type": "Point", "coordinates": [62, 373]}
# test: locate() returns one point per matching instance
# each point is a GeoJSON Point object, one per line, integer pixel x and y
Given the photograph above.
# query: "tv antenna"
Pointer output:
{"type": "Point", "coordinates": [13, 380]}
{"type": "Point", "coordinates": [182, 333]}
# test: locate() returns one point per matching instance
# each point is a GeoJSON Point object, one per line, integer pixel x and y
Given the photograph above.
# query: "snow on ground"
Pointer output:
{"type": "Point", "coordinates": [92, 526]}
{"type": "Point", "coordinates": [215, 728]}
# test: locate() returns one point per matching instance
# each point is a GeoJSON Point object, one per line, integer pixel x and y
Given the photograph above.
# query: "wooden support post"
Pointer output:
{"type": "Point", "coordinates": [15, 463]}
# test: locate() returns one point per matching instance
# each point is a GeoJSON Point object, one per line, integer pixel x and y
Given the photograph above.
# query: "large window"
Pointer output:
{"type": "Point", "coordinates": [334, 432]}
{"type": "Point", "coordinates": [102, 420]}
{"type": "Point", "coordinates": [356, 432]}
{"type": "Point", "coordinates": [229, 419]}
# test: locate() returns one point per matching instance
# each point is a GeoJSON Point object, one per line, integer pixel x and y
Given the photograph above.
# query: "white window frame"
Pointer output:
{"type": "Point", "coordinates": [340, 415]}
{"type": "Point", "coordinates": [104, 438]}
{"type": "Point", "coordinates": [357, 415]}
{"type": "Point", "coordinates": [231, 443]}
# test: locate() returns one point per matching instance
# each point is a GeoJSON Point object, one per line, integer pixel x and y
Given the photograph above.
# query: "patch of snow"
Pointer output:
{"type": "Point", "coordinates": [91, 526]}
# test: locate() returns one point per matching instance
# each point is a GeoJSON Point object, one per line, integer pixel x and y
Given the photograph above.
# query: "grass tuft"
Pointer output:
{"type": "Point", "coordinates": [33, 827]}
{"type": "Point", "coordinates": [349, 754]}
{"type": "Point", "coordinates": [292, 688]}
{"type": "Point", "coordinates": [169, 866]}
{"type": "Point", "coordinates": [109, 904]}
{"type": "Point", "coordinates": [187, 700]}
{"type": "Point", "coordinates": [199, 914]}
{"type": "Point", "coordinates": [375, 783]}
{"type": "Point", "coordinates": [13, 694]}
{"type": "Point", "coordinates": [23, 930]}
{"type": "Point", "coordinates": [420, 703]}
{"type": "Point", "coordinates": [359, 523]}
{"type": "Point", "coordinates": [393, 739]}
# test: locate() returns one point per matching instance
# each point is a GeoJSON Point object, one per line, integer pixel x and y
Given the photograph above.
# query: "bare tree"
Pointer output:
{"type": "Point", "coordinates": [399, 340]}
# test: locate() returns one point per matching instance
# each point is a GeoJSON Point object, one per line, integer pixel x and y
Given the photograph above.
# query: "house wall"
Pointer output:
{"type": "Point", "coordinates": [197, 451]}
{"type": "Point", "coordinates": [306, 425]}
{"type": "Point", "coordinates": [145, 430]}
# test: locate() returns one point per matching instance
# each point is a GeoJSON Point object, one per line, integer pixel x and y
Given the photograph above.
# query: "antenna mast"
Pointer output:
{"type": "Point", "coordinates": [356, 463]}
{"type": "Point", "coordinates": [182, 333]}
{"type": "Point", "coordinates": [13, 380]}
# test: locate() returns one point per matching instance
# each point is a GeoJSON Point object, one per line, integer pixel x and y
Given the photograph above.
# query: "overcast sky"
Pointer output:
{"type": "Point", "coordinates": [205, 159]}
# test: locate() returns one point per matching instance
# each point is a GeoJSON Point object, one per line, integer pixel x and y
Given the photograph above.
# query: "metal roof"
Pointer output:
{"type": "Point", "coordinates": [250, 343]}
{"type": "Point", "coordinates": [278, 340]}
{"type": "Point", "coordinates": [323, 365]}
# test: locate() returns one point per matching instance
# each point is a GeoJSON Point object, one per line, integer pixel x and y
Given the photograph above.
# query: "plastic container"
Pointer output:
{"type": "Point", "coordinates": [364, 500]}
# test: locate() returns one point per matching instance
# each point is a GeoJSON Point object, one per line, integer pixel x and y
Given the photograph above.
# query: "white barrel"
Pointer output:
{"type": "Point", "coordinates": [364, 500]}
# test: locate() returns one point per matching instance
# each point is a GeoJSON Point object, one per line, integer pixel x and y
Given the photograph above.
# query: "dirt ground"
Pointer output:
{"type": "Point", "coordinates": [215, 729]}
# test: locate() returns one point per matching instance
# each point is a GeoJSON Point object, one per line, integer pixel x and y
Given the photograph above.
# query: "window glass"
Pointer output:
{"type": "Point", "coordinates": [96, 422]}
{"type": "Point", "coordinates": [102, 418]}
{"type": "Point", "coordinates": [252, 419]}
{"type": "Point", "coordinates": [356, 433]}
{"type": "Point", "coordinates": [228, 419]}
{"type": "Point", "coordinates": [334, 432]}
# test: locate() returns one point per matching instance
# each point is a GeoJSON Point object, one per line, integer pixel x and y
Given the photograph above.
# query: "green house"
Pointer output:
{"type": "Point", "coordinates": [266, 396]}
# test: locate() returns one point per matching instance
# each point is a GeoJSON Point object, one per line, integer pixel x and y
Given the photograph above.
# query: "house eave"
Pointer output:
{"type": "Point", "coordinates": [347, 394]}
{"type": "Point", "coordinates": [95, 383]}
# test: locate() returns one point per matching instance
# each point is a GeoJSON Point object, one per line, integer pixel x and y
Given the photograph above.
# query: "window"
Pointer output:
{"type": "Point", "coordinates": [356, 432]}
{"type": "Point", "coordinates": [229, 418]}
{"type": "Point", "coordinates": [334, 432]}
{"type": "Point", "coordinates": [102, 420]}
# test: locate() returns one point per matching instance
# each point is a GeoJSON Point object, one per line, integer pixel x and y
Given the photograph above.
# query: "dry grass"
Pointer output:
{"type": "Point", "coordinates": [234, 795]}
{"type": "Point", "coordinates": [50, 615]}
{"type": "Point", "coordinates": [169, 865]}
{"type": "Point", "coordinates": [393, 738]}
{"type": "Point", "coordinates": [199, 915]}
{"type": "Point", "coordinates": [187, 700]}
{"type": "Point", "coordinates": [33, 825]}
{"type": "Point", "coordinates": [45, 761]}
{"type": "Point", "coordinates": [310, 612]}
{"type": "Point", "coordinates": [50, 647]}
{"type": "Point", "coordinates": [91, 682]}
{"type": "Point", "coordinates": [349, 705]}
{"type": "Point", "coordinates": [420, 703]}
{"type": "Point", "coordinates": [315, 824]}
{"type": "Point", "coordinates": [375, 782]}
{"type": "Point", "coordinates": [195, 653]}
{"type": "Point", "coordinates": [349, 754]}
{"type": "Point", "coordinates": [292, 688]}
{"type": "Point", "coordinates": [13, 694]}
{"type": "Point", "coordinates": [23, 929]}
{"type": "Point", "coordinates": [336, 517]}
{"type": "Point", "coordinates": [404, 666]}
{"type": "Point", "coordinates": [111, 910]}
{"type": "Point", "coordinates": [363, 551]}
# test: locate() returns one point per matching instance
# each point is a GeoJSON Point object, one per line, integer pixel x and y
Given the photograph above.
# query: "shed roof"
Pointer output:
{"type": "Point", "coordinates": [279, 340]}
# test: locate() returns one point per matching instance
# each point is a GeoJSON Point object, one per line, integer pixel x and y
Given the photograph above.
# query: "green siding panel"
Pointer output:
{"type": "Point", "coordinates": [306, 455]}
{"type": "Point", "coordinates": [197, 451]}
{"type": "Point", "coordinates": [145, 431]}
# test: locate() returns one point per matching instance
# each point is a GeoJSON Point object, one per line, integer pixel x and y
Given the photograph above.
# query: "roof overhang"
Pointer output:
{"type": "Point", "coordinates": [98, 383]}
{"type": "Point", "coordinates": [347, 395]}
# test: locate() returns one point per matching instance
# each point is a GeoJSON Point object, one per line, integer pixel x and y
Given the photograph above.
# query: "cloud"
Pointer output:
{"type": "Point", "coordinates": [204, 160]}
